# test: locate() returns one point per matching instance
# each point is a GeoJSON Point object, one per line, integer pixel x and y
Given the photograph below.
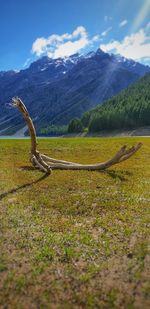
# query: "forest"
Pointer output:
{"type": "Point", "coordinates": [129, 109]}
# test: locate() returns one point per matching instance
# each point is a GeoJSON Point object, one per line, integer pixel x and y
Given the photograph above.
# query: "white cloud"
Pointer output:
{"type": "Point", "coordinates": [26, 62]}
{"type": "Point", "coordinates": [69, 48]}
{"type": "Point", "coordinates": [39, 46]}
{"type": "Point", "coordinates": [63, 45]}
{"type": "Point", "coordinates": [104, 33]}
{"type": "Point", "coordinates": [123, 23]}
{"type": "Point", "coordinates": [96, 38]}
{"type": "Point", "coordinates": [79, 31]}
{"type": "Point", "coordinates": [107, 18]}
{"type": "Point", "coordinates": [135, 46]}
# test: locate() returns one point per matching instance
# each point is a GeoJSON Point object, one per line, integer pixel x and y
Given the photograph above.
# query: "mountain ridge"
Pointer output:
{"type": "Point", "coordinates": [57, 90]}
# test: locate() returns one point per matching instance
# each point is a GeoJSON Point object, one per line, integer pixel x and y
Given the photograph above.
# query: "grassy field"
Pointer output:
{"type": "Point", "coordinates": [74, 239]}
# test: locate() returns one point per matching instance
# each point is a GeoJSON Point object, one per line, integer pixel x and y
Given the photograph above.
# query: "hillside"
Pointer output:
{"type": "Point", "coordinates": [129, 109]}
{"type": "Point", "coordinates": [56, 90]}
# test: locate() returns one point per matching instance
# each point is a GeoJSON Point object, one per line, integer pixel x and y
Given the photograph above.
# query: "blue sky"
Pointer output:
{"type": "Point", "coordinates": [30, 29]}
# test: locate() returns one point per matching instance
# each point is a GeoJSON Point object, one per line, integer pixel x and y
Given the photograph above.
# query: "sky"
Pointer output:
{"type": "Point", "coordinates": [30, 29]}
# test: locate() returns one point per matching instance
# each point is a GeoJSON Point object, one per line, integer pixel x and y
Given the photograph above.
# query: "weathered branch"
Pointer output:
{"type": "Point", "coordinates": [16, 102]}
{"type": "Point", "coordinates": [36, 158]}
{"type": "Point", "coordinates": [46, 164]}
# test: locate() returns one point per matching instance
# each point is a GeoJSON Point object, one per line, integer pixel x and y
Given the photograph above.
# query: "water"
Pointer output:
{"type": "Point", "coordinates": [14, 137]}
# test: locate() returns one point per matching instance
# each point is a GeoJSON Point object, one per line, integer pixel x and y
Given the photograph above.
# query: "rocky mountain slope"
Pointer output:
{"type": "Point", "coordinates": [57, 90]}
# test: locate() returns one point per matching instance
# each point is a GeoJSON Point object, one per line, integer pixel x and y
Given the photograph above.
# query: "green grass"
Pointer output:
{"type": "Point", "coordinates": [74, 239]}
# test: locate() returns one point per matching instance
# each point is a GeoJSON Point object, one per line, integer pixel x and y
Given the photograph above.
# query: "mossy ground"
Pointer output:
{"type": "Point", "coordinates": [75, 239]}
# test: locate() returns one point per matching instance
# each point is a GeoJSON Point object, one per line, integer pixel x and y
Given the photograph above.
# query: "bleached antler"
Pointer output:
{"type": "Point", "coordinates": [47, 164]}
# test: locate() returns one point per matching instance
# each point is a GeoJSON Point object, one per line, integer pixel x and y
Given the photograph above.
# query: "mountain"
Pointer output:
{"type": "Point", "coordinates": [57, 90]}
{"type": "Point", "coordinates": [129, 109]}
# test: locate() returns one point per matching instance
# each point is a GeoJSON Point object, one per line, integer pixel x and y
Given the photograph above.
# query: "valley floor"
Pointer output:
{"type": "Point", "coordinates": [142, 131]}
{"type": "Point", "coordinates": [75, 239]}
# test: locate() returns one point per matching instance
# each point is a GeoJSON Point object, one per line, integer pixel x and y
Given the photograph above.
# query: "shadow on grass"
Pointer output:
{"type": "Point", "coordinates": [23, 186]}
{"type": "Point", "coordinates": [112, 173]}
{"type": "Point", "coordinates": [27, 168]}
{"type": "Point", "coordinates": [121, 175]}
